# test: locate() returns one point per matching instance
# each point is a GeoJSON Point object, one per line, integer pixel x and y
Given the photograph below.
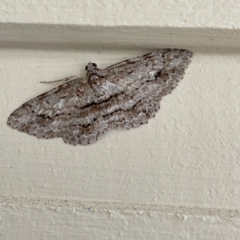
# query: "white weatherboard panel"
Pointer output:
{"type": "Point", "coordinates": [175, 178]}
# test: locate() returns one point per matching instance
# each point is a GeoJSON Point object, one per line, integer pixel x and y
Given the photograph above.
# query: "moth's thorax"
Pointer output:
{"type": "Point", "coordinates": [95, 77]}
{"type": "Point", "coordinates": [91, 69]}
{"type": "Point", "coordinates": [94, 74]}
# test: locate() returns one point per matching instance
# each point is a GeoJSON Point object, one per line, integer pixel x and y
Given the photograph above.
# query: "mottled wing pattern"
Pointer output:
{"type": "Point", "coordinates": [144, 81]}
{"type": "Point", "coordinates": [47, 115]}
{"type": "Point", "coordinates": [123, 95]}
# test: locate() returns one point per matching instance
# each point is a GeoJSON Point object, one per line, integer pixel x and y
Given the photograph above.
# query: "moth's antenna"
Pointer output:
{"type": "Point", "coordinates": [61, 80]}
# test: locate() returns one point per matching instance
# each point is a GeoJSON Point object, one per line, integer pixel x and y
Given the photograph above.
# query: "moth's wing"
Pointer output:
{"type": "Point", "coordinates": [126, 76]}
{"type": "Point", "coordinates": [49, 114]}
{"type": "Point", "coordinates": [144, 81]}
{"type": "Point", "coordinates": [164, 64]}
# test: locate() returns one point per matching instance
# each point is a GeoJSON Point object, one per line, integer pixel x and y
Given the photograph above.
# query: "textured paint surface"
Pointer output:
{"type": "Point", "coordinates": [200, 14]}
{"type": "Point", "coordinates": [189, 155]}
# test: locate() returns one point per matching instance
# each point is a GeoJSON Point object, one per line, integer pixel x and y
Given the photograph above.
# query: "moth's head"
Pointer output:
{"type": "Point", "coordinates": [91, 67]}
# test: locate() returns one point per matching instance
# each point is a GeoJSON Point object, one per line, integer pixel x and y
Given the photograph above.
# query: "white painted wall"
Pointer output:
{"type": "Point", "coordinates": [175, 178]}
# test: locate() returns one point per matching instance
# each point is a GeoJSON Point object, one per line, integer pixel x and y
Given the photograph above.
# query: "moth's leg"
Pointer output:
{"type": "Point", "coordinates": [134, 117]}
{"type": "Point", "coordinates": [61, 80]}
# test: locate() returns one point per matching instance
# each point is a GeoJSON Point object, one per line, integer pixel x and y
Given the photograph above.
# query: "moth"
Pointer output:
{"type": "Point", "coordinates": [123, 95]}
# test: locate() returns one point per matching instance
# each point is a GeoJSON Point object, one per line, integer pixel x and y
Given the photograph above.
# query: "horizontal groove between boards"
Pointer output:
{"type": "Point", "coordinates": [119, 36]}
{"type": "Point", "coordinates": [24, 202]}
